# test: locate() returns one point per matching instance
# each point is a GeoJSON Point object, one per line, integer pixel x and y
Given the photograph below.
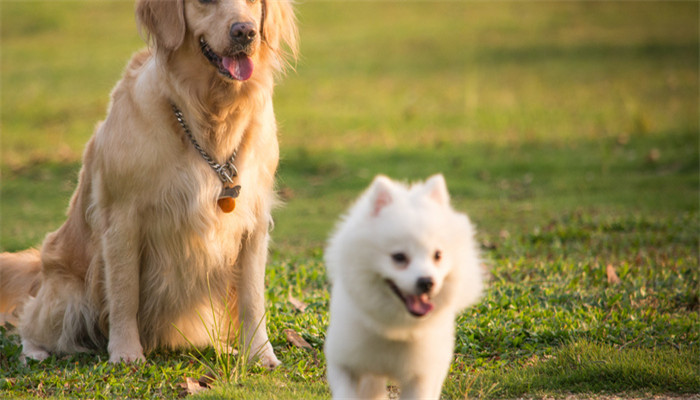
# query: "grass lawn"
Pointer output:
{"type": "Point", "coordinates": [568, 131]}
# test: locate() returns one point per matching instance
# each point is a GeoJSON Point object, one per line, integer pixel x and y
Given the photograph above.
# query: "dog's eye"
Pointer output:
{"type": "Point", "coordinates": [437, 256]}
{"type": "Point", "coordinates": [399, 258]}
{"type": "Point", "coordinates": [207, 1]}
{"type": "Point", "coordinates": [251, 1]}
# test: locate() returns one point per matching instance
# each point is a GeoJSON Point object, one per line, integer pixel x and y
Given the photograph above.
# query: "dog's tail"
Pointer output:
{"type": "Point", "coordinates": [20, 278]}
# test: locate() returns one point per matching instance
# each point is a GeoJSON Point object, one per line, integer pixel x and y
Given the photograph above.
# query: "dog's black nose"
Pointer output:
{"type": "Point", "coordinates": [243, 32]}
{"type": "Point", "coordinates": [424, 284]}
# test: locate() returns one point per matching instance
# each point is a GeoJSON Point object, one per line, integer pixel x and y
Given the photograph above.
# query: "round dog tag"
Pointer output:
{"type": "Point", "coordinates": [227, 204]}
{"type": "Point", "coordinates": [227, 198]}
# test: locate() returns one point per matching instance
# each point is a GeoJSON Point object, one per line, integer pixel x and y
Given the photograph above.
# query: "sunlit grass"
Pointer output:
{"type": "Point", "coordinates": [568, 131]}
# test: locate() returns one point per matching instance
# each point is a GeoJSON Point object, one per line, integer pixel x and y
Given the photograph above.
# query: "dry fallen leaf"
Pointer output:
{"type": "Point", "coordinates": [654, 155]}
{"type": "Point", "coordinates": [207, 380]}
{"type": "Point", "coordinates": [190, 386]}
{"type": "Point", "coordinates": [298, 304]}
{"type": "Point", "coordinates": [612, 275]}
{"type": "Point", "coordinates": [286, 193]}
{"type": "Point", "coordinates": [294, 338]}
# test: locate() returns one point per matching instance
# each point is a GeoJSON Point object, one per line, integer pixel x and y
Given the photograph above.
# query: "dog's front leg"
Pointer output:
{"type": "Point", "coordinates": [426, 386]}
{"type": "Point", "coordinates": [120, 247]}
{"type": "Point", "coordinates": [251, 297]}
{"type": "Point", "coordinates": [344, 384]}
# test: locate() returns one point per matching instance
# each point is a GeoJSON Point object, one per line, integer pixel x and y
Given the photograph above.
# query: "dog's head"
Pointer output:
{"type": "Point", "coordinates": [413, 266]}
{"type": "Point", "coordinates": [231, 35]}
{"type": "Point", "coordinates": [406, 249]}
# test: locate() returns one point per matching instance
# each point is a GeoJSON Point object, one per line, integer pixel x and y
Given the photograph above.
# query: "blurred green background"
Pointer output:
{"type": "Point", "coordinates": [530, 109]}
{"type": "Point", "coordinates": [567, 130]}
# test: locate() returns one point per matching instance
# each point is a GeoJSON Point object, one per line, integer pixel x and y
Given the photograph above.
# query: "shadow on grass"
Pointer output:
{"type": "Point", "coordinates": [583, 367]}
{"type": "Point", "coordinates": [512, 188]}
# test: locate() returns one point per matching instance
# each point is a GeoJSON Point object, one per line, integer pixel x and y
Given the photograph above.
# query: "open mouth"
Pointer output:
{"type": "Point", "coordinates": [238, 66]}
{"type": "Point", "coordinates": [418, 305]}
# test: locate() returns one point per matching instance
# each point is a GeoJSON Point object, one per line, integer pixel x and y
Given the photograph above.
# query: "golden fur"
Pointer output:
{"type": "Point", "coordinates": [144, 243]}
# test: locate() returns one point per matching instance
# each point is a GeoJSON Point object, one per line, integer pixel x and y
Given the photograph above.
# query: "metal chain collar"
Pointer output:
{"type": "Point", "coordinates": [227, 171]}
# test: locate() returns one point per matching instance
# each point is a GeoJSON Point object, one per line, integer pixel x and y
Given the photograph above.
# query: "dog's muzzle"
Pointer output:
{"type": "Point", "coordinates": [419, 304]}
{"type": "Point", "coordinates": [237, 65]}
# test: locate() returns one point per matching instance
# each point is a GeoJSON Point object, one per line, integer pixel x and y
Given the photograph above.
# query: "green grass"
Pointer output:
{"type": "Point", "coordinates": [275, 386]}
{"type": "Point", "coordinates": [584, 367]}
{"type": "Point", "coordinates": [568, 131]}
{"type": "Point", "coordinates": [90, 375]}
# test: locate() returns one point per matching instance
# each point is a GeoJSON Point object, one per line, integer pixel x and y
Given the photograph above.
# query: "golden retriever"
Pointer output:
{"type": "Point", "coordinates": [147, 240]}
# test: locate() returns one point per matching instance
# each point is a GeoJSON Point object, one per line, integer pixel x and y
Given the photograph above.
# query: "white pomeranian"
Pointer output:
{"type": "Point", "coordinates": [403, 264]}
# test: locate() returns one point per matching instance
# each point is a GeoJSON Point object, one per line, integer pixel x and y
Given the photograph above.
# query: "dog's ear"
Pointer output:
{"type": "Point", "coordinates": [279, 30]}
{"type": "Point", "coordinates": [380, 194]}
{"type": "Point", "coordinates": [436, 189]}
{"type": "Point", "coordinates": [165, 22]}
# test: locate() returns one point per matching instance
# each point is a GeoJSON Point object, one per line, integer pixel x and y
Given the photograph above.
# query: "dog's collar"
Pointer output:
{"type": "Point", "coordinates": [226, 172]}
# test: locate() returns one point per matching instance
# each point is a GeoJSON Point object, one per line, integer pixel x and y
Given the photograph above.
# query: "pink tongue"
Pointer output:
{"type": "Point", "coordinates": [240, 67]}
{"type": "Point", "coordinates": [418, 305]}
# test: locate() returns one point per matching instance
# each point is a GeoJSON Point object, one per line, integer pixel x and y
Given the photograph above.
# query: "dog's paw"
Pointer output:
{"type": "Point", "coordinates": [127, 354]}
{"type": "Point", "coordinates": [269, 359]}
{"type": "Point", "coordinates": [33, 352]}
{"type": "Point", "coordinates": [127, 357]}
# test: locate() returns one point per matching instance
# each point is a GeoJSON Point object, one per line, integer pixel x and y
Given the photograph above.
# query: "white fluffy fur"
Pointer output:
{"type": "Point", "coordinates": [145, 245]}
{"type": "Point", "coordinates": [372, 336]}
